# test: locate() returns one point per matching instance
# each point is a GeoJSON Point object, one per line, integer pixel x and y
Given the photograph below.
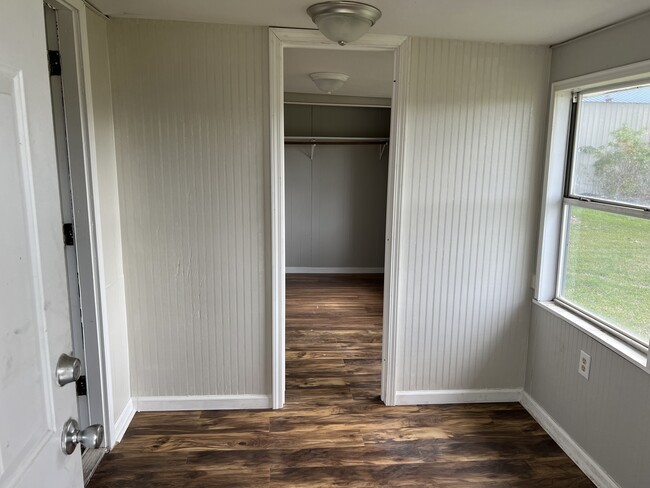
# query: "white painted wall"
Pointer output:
{"type": "Point", "coordinates": [108, 225]}
{"type": "Point", "coordinates": [335, 206]}
{"type": "Point", "coordinates": [470, 203]}
{"type": "Point", "coordinates": [607, 415]}
{"type": "Point", "coordinates": [191, 133]}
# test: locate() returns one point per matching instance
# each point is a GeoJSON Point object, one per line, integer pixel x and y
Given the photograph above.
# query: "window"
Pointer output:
{"type": "Point", "coordinates": [604, 264]}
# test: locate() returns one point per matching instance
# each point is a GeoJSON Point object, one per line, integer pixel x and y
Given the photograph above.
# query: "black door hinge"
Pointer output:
{"type": "Point", "coordinates": [68, 234]}
{"type": "Point", "coordinates": [54, 63]}
{"type": "Point", "coordinates": [82, 390]}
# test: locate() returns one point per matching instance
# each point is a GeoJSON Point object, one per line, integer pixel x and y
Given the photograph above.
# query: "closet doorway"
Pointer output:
{"type": "Point", "coordinates": [336, 177]}
{"type": "Point", "coordinates": [333, 197]}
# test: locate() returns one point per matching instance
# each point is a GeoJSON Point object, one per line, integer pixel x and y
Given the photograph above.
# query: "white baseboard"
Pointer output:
{"type": "Point", "coordinates": [572, 449]}
{"type": "Point", "coordinates": [202, 402]}
{"type": "Point", "coordinates": [431, 397]}
{"type": "Point", "coordinates": [309, 270]}
{"type": "Point", "coordinates": [122, 423]}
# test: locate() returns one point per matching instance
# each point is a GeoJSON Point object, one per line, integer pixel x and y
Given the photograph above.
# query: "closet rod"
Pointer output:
{"type": "Point", "coordinates": [313, 142]}
{"type": "Point", "coordinates": [336, 140]}
{"type": "Point", "coordinates": [307, 143]}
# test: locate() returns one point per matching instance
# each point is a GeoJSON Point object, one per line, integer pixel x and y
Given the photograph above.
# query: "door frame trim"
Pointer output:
{"type": "Point", "coordinates": [95, 334]}
{"type": "Point", "coordinates": [279, 39]}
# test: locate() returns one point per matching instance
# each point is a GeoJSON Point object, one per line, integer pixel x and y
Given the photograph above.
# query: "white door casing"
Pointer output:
{"type": "Point", "coordinates": [35, 322]}
{"type": "Point", "coordinates": [279, 39]}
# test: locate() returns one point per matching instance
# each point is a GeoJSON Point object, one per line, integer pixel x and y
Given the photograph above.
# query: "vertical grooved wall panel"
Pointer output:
{"type": "Point", "coordinates": [606, 415]}
{"type": "Point", "coordinates": [472, 179]}
{"type": "Point", "coordinates": [190, 108]}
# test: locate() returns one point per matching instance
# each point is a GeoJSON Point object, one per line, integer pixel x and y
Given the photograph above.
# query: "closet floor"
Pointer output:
{"type": "Point", "coordinates": [334, 430]}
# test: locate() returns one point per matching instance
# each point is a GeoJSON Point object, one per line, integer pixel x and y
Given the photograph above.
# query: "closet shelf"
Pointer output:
{"type": "Point", "coordinates": [335, 140]}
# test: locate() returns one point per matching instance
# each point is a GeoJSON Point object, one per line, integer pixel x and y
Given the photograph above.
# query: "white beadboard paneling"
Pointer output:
{"type": "Point", "coordinates": [190, 107]}
{"type": "Point", "coordinates": [607, 415]}
{"type": "Point", "coordinates": [474, 135]}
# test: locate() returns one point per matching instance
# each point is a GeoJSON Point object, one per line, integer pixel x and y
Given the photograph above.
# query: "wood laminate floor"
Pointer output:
{"type": "Point", "coordinates": [334, 430]}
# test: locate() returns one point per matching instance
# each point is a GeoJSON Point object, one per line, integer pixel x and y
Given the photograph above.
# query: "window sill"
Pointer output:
{"type": "Point", "coordinates": [624, 350]}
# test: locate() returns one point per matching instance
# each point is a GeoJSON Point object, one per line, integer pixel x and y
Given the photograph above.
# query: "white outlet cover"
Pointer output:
{"type": "Point", "coordinates": [585, 364]}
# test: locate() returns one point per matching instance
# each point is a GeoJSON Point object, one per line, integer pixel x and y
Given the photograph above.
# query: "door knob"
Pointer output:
{"type": "Point", "coordinates": [68, 369]}
{"type": "Point", "coordinates": [91, 437]}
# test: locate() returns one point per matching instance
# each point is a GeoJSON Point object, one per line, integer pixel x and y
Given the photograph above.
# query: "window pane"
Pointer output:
{"type": "Point", "coordinates": [607, 268]}
{"type": "Point", "coordinates": [612, 157]}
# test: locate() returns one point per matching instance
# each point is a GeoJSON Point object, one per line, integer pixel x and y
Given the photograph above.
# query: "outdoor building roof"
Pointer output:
{"type": "Point", "coordinates": [638, 95]}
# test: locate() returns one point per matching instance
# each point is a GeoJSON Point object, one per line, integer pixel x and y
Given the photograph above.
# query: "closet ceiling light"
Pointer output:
{"type": "Point", "coordinates": [343, 22]}
{"type": "Point", "coordinates": [329, 82]}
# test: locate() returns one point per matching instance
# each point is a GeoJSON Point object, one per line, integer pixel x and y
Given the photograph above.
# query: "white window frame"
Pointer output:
{"type": "Point", "coordinates": [551, 237]}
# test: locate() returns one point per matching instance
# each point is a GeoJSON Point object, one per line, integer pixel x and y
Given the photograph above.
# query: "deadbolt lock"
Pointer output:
{"type": "Point", "coordinates": [68, 369]}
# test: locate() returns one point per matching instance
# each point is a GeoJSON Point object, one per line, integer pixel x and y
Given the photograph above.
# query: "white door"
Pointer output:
{"type": "Point", "coordinates": [34, 315]}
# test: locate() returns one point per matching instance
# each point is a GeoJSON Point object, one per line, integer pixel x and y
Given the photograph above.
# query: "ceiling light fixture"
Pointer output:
{"type": "Point", "coordinates": [329, 82]}
{"type": "Point", "coordinates": [343, 22]}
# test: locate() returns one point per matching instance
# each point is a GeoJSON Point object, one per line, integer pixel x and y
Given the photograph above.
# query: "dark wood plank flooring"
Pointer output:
{"type": "Point", "coordinates": [334, 430]}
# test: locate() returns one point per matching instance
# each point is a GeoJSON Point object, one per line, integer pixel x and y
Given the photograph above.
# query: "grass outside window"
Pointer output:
{"type": "Point", "coordinates": [607, 268]}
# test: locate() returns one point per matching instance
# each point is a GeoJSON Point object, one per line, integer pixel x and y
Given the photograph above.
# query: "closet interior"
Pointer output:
{"type": "Point", "coordinates": [336, 171]}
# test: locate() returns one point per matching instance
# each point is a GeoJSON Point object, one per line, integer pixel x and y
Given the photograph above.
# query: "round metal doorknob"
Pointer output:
{"type": "Point", "coordinates": [91, 437]}
{"type": "Point", "coordinates": [68, 369]}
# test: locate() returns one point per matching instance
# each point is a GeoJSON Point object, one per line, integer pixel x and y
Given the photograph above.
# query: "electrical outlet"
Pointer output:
{"type": "Point", "coordinates": [585, 364]}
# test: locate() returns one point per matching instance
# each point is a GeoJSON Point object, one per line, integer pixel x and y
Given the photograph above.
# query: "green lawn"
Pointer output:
{"type": "Point", "coordinates": [608, 268]}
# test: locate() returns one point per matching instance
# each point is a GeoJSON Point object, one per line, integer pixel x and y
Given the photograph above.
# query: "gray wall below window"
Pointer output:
{"type": "Point", "coordinates": [606, 415]}
{"type": "Point", "coordinates": [335, 206]}
{"type": "Point", "coordinates": [618, 46]}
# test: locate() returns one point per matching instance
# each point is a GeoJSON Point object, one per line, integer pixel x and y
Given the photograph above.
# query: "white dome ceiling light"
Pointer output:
{"type": "Point", "coordinates": [329, 82]}
{"type": "Point", "coordinates": [343, 21]}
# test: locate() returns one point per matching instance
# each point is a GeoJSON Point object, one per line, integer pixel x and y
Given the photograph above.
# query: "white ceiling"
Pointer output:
{"type": "Point", "coordinates": [512, 21]}
{"type": "Point", "coordinates": [371, 73]}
